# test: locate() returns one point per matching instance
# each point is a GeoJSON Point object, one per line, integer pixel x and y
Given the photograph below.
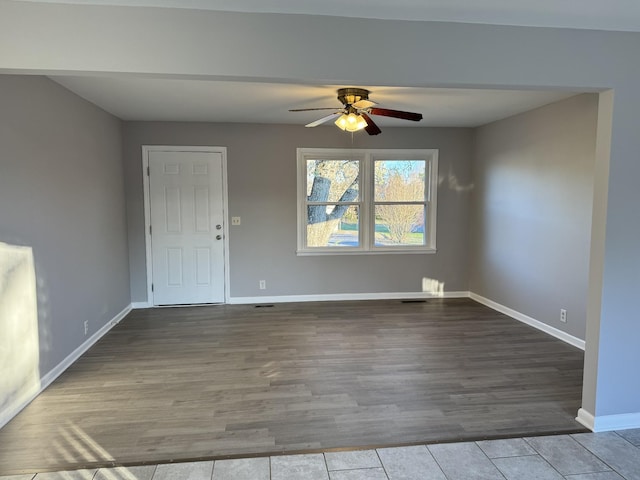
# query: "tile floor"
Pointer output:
{"type": "Point", "coordinates": [583, 456]}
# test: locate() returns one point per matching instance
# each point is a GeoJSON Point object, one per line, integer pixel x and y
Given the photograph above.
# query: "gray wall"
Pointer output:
{"type": "Point", "coordinates": [262, 191]}
{"type": "Point", "coordinates": [531, 214]}
{"type": "Point", "coordinates": [62, 193]}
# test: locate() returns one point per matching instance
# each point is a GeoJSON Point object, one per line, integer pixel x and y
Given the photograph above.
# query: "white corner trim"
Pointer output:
{"type": "Point", "coordinates": [559, 334]}
{"type": "Point", "coordinates": [586, 419]}
{"type": "Point", "coordinates": [608, 423]}
{"type": "Point", "coordinates": [335, 297]}
{"type": "Point", "coordinates": [138, 305]}
{"type": "Point", "coordinates": [54, 373]}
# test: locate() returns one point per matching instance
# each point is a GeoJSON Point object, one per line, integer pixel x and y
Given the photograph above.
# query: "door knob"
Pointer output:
{"type": "Point", "coordinates": [218, 227]}
{"type": "Point", "coordinates": [218, 237]}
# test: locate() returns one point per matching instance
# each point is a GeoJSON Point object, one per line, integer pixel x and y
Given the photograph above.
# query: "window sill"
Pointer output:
{"type": "Point", "coordinates": [377, 251]}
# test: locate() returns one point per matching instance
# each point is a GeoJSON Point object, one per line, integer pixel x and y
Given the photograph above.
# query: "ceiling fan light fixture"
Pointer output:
{"type": "Point", "coordinates": [351, 122]}
{"type": "Point", "coordinates": [354, 115]}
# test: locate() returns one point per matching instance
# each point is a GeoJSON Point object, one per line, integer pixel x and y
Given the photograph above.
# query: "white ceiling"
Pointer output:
{"type": "Point", "coordinates": [155, 99]}
{"type": "Point", "coordinates": [144, 98]}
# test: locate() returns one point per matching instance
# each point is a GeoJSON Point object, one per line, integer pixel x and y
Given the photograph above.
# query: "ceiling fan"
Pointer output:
{"type": "Point", "coordinates": [356, 110]}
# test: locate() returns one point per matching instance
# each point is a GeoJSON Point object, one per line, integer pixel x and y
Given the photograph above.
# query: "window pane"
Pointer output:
{"type": "Point", "coordinates": [332, 180]}
{"type": "Point", "coordinates": [399, 225]}
{"type": "Point", "coordinates": [400, 180]}
{"type": "Point", "coordinates": [332, 226]}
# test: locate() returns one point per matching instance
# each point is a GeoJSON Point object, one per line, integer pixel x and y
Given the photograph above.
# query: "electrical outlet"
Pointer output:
{"type": "Point", "coordinates": [235, 220]}
{"type": "Point", "coordinates": [86, 327]}
{"type": "Point", "coordinates": [563, 315]}
{"type": "Point", "coordinates": [263, 284]}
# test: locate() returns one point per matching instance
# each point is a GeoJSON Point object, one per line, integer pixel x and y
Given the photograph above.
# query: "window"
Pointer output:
{"type": "Point", "coordinates": [366, 201]}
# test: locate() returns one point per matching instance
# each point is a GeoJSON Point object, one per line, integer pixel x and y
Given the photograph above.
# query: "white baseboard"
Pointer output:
{"type": "Point", "coordinates": [608, 423]}
{"type": "Point", "coordinates": [138, 305]}
{"type": "Point", "coordinates": [559, 334]}
{"type": "Point", "coordinates": [49, 377]}
{"type": "Point", "coordinates": [335, 297]}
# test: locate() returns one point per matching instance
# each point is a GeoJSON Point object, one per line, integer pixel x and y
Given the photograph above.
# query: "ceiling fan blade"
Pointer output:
{"type": "Point", "coordinates": [323, 119]}
{"type": "Point", "coordinates": [362, 104]}
{"type": "Point", "coordinates": [371, 128]}
{"type": "Point", "coordinates": [385, 112]}
{"type": "Point", "coordinates": [310, 109]}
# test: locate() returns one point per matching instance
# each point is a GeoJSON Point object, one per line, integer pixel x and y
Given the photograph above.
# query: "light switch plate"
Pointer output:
{"type": "Point", "coordinates": [235, 220]}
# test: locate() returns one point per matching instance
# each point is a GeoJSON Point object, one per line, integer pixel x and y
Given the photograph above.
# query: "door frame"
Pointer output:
{"type": "Point", "coordinates": [146, 150]}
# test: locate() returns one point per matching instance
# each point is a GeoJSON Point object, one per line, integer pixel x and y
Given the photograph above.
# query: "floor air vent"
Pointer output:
{"type": "Point", "coordinates": [413, 301]}
{"type": "Point", "coordinates": [263, 306]}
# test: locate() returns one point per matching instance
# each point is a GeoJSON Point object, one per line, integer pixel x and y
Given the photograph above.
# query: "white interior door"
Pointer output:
{"type": "Point", "coordinates": [187, 227]}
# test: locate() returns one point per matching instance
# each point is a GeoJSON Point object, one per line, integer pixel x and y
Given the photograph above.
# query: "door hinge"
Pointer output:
{"type": "Point", "coordinates": [148, 172]}
{"type": "Point", "coordinates": [152, 287]}
{"type": "Point", "coordinates": [149, 229]}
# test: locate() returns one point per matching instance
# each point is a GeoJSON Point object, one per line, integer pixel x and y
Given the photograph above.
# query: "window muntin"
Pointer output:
{"type": "Point", "coordinates": [366, 201]}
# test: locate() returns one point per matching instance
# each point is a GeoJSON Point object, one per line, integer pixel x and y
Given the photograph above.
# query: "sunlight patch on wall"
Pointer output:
{"type": "Point", "coordinates": [433, 287]}
{"type": "Point", "coordinates": [452, 182]}
{"type": "Point", "coordinates": [19, 346]}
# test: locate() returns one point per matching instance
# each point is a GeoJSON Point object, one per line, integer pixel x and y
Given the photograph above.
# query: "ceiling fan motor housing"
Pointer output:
{"type": "Point", "coordinates": [349, 96]}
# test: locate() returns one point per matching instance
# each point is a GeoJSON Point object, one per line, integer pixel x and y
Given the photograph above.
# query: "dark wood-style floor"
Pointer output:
{"type": "Point", "coordinates": [203, 382]}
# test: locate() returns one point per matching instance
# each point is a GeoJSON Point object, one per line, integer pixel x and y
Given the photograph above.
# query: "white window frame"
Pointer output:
{"type": "Point", "coordinates": [367, 158]}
